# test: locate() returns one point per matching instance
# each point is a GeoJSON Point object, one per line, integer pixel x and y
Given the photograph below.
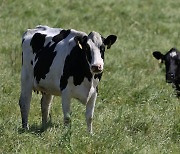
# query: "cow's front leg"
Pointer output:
{"type": "Point", "coordinates": [66, 100]}
{"type": "Point", "coordinates": [45, 108]}
{"type": "Point", "coordinates": [90, 111]}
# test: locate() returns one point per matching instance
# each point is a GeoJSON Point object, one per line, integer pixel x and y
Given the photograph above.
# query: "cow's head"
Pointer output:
{"type": "Point", "coordinates": [94, 46]}
{"type": "Point", "coordinates": [172, 63]}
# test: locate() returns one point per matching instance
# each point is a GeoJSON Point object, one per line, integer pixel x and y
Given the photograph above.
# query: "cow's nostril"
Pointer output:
{"type": "Point", "coordinates": [172, 75]}
{"type": "Point", "coordinates": [99, 67]}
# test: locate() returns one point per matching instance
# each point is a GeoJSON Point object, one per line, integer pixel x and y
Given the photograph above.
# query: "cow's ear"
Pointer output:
{"type": "Point", "coordinates": [159, 56]}
{"type": "Point", "coordinates": [80, 41]}
{"type": "Point", "coordinates": [110, 40]}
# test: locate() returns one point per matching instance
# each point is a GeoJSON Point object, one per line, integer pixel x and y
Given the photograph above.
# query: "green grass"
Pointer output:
{"type": "Point", "coordinates": [136, 111]}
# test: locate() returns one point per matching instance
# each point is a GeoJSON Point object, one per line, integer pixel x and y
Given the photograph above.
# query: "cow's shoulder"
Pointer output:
{"type": "Point", "coordinates": [75, 66]}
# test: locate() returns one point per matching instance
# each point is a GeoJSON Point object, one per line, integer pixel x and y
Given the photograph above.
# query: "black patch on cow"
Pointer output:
{"type": "Point", "coordinates": [23, 40]}
{"type": "Point", "coordinates": [37, 42]}
{"type": "Point", "coordinates": [88, 52]}
{"type": "Point", "coordinates": [76, 65]}
{"type": "Point", "coordinates": [45, 58]}
{"type": "Point", "coordinates": [62, 35]}
{"type": "Point", "coordinates": [102, 50]}
{"type": "Point", "coordinates": [98, 76]}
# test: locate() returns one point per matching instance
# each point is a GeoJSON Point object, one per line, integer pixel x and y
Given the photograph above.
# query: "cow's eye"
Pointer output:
{"type": "Point", "coordinates": [102, 48]}
{"type": "Point", "coordinates": [87, 47]}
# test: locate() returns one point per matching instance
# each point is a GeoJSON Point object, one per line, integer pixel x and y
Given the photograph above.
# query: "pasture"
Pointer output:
{"type": "Point", "coordinates": [136, 111]}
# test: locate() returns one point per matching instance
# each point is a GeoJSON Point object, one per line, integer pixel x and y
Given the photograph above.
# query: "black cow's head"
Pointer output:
{"type": "Point", "coordinates": [172, 63]}
{"type": "Point", "coordinates": [94, 47]}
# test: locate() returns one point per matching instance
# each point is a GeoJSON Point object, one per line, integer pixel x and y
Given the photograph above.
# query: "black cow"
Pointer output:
{"type": "Point", "coordinates": [172, 63]}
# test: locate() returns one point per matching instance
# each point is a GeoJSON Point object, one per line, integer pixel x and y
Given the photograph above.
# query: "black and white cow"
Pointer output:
{"type": "Point", "coordinates": [172, 64]}
{"type": "Point", "coordinates": [61, 62]}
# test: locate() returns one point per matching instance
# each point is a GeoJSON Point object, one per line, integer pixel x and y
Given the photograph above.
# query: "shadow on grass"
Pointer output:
{"type": "Point", "coordinates": [36, 129]}
{"type": "Point", "coordinates": [65, 137]}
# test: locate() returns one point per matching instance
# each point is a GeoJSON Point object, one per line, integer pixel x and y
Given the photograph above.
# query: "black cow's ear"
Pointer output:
{"type": "Point", "coordinates": [110, 40]}
{"type": "Point", "coordinates": [80, 41]}
{"type": "Point", "coordinates": [158, 55]}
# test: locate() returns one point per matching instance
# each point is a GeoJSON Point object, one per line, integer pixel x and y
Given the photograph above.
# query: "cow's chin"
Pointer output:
{"type": "Point", "coordinates": [174, 81]}
{"type": "Point", "coordinates": [169, 81]}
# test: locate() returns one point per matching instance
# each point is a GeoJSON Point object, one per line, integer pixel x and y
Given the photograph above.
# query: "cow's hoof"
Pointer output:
{"type": "Point", "coordinates": [25, 127]}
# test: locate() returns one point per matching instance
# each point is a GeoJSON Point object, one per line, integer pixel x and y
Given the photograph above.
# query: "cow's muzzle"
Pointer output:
{"type": "Point", "coordinates": [170, 78]}
{"type": "Point", "coordinates": [96, 69]}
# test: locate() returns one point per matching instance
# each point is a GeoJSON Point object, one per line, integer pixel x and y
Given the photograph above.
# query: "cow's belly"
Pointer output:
{"type": "Point", "coordinates": [81, 92]}
{"type": "Point", "coordinates": [48, 86]}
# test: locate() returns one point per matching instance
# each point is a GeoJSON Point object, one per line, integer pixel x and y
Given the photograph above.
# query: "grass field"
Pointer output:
{"type": "Point", "coordinates": [136, 111]}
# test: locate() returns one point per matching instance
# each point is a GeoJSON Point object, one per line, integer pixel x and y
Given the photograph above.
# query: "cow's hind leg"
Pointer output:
{"type": "Point", "coordinates": [90, 111]}
{"type": "Point", "coordinates": [45, 108]}
{"type": "Point", "coordinates": [24, 103]}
